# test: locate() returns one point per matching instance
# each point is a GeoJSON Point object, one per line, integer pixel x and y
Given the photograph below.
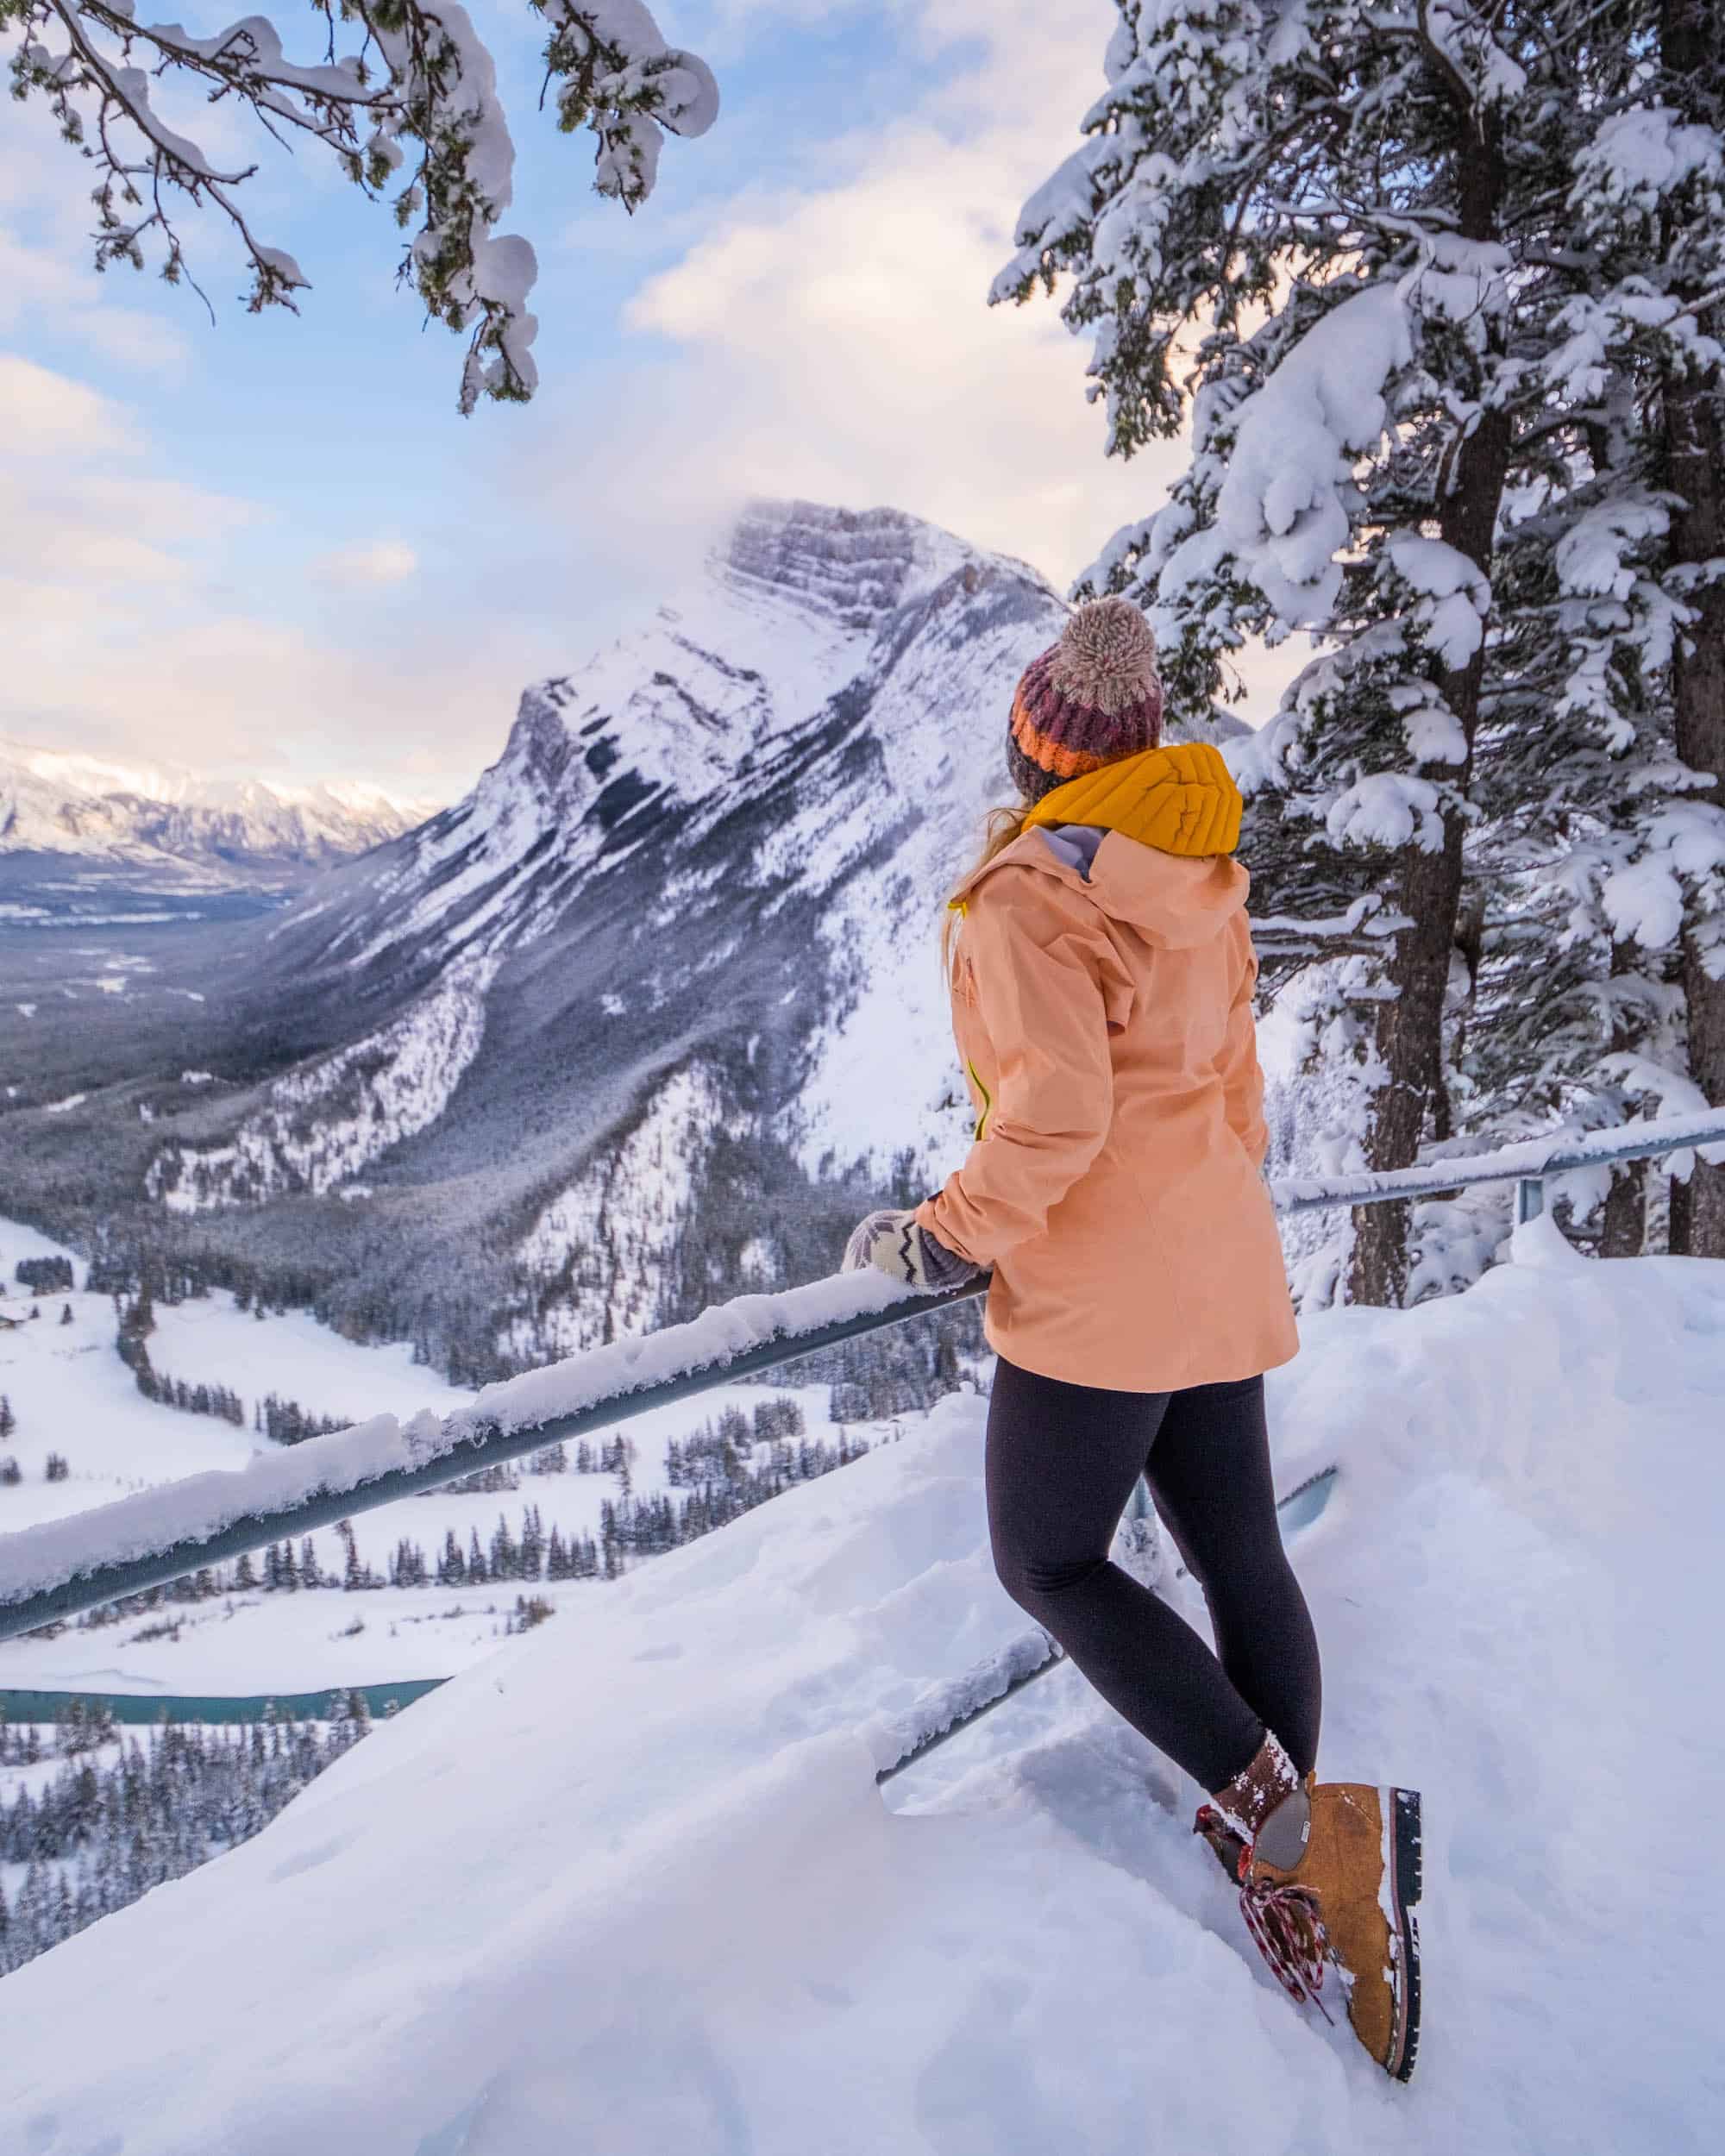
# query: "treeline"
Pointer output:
{"type": "Point", "coordinates": [45, 1275]}
{"type": "Point", "coordinates": [287, 1423]}
{"type": "Point", "coordinates": [283, 1421]}
{"type": "Point", "coordinates": [717, 1466]}
{"type": "Point", "coordinates": [725, 1486]}
{"type": "Point", "coordinates": [104, 1831]}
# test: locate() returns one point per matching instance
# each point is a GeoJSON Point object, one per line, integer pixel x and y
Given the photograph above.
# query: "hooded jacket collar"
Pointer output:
{"type": "Point", "coordinates": [1172, 817]}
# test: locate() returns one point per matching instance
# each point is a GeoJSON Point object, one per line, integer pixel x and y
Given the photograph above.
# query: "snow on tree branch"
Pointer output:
{"type": "Point", "coordinates": [412, 108]}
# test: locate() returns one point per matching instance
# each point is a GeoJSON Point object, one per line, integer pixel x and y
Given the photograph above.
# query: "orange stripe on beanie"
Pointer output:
{"type": "Point", "coordinates": [1088, 700]}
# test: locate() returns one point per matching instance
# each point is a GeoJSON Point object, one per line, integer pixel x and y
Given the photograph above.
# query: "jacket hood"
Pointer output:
{"type": "Point", "coordinates": [1172, 817]}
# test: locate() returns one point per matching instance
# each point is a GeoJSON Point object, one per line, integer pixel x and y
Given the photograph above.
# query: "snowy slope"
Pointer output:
{"type": "Point", "coordinates": [629, 1886]}
{"type": "Point", "coordinates": [56, 801]}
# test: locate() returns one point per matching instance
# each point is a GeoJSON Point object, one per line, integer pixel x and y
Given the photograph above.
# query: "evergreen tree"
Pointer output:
{"type": "Point", "coordinates": [1345, 242]}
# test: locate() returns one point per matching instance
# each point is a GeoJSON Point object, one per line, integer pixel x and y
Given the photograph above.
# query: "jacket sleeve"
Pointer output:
{"type": "Point", "coordinates": [1241, 1075]}
{"type": "Point", "coordinates": [1039, 958]}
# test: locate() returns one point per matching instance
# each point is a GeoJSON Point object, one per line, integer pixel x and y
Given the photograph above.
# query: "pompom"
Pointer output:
{"type": "Point", "coordinates": [1106, 658]}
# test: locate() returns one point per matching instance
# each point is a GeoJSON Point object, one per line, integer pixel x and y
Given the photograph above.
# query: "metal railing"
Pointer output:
{"type": "Point", "coordinates": [45, 1577]}
{"type": "Point", "coordinates": [1529, 1165]}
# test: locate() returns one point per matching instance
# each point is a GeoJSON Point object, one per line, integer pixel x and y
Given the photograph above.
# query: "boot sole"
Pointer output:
{"type": "Point", "coordinates": [1406, 1854]}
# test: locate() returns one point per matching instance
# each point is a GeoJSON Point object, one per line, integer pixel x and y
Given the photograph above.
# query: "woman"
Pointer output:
{"type": "Point", "coordinates": [1102, 989]}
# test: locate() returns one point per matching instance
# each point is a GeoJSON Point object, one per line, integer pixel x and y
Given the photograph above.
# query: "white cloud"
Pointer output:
{"type": "Point", "coordinates": [49, 415]}
{"type": "Point", "coordinates": [836, 340]}
{"type": "Point", "coordinates": [385, 561]}
{"type": "Point", "coordinates": [235, 694]}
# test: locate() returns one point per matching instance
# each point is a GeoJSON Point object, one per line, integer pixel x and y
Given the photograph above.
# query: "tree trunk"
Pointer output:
{"type": "Point", "coordinates": [1625, 1232]}
{"type": "Point", "coordinates": [1427, 888]}
{"type": "Point", "coordinates": [1693, 48]}
{"type": "Point", "coordinates": [1681, 1230]}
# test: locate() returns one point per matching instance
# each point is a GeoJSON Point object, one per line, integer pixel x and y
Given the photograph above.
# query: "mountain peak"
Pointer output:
{"type": "Point", "coordinates": [858, 565]}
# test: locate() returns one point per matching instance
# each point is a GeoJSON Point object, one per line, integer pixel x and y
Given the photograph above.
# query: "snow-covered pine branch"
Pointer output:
{"type": "Point", "coordinates": [410, 110]}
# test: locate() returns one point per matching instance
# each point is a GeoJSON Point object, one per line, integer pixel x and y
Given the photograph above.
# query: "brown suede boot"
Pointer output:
{"type": "Point", "coordinates": [1330, 1871]}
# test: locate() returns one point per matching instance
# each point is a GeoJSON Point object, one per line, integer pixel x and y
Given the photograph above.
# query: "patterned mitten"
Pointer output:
{"type": "Point", "coordinates": [906, 1251]}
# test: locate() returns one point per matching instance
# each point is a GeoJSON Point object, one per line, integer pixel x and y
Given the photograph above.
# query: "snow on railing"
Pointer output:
{"type": "Point", "coordinates": [1527, 1164]}
{"type": "Point", "coordinates": [78, 1562]}
{"type": "Point", "coordinates": [90, 1557]}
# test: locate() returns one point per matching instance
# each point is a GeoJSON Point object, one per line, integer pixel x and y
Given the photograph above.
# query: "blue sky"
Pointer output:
{"type": "Point", "coordinates": [270, 547]}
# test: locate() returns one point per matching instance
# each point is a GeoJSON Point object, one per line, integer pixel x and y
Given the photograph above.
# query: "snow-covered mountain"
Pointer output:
{"type": "Point", "coordinates": [646, 1016]}
{"type": "Point", "coordinates": [147, 816]}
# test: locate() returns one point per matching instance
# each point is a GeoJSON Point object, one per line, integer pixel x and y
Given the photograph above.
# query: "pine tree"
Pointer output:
{"type": "Point", "coordinates": [9, 1421]}
{"type": "Point", "coordinates": [1342, 241]}
{"type": "Point", "coordinates": [352, 1577]}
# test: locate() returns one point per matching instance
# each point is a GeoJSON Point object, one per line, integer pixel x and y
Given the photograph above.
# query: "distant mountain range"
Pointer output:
{"type": "Point", "coordinates": [56, 801]}
{"type": "Point", "coordinates": [641, 1021]}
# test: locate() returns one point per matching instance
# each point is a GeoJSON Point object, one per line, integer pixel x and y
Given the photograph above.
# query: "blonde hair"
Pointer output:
{"type": "Point", "coordinates": [1000, 828]}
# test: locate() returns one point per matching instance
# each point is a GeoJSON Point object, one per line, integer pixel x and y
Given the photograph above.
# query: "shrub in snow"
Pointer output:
{"type": "Point", "coordinates": [409, 111]}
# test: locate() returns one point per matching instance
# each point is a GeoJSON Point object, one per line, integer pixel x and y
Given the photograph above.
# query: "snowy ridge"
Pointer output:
{"type": "Point", "coordinates": [780, 621]}
{"type": "Point", "coordinates": [327, 1120]}
{"type": "Point", "coordinates": [57, 801]}
{"type": "Point", "coordinates": [720, 1938]}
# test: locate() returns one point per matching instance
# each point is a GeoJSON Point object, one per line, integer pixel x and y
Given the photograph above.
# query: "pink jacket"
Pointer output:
{"type": "Point", "coordinates": [1105, 1028]}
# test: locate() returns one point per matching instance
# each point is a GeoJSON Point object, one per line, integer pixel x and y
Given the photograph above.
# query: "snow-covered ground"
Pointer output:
{"type": "Point", "coordinates": [630, 1886]}
{"type": "Point", "coordinates": [71, 1393]}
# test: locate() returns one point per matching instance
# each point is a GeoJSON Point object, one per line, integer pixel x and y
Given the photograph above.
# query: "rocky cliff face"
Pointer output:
{"type": "Point", "coordinates": [649, 1015]}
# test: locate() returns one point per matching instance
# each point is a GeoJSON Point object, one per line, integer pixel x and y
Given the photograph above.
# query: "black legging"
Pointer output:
{"type": "Point", "coordinates": [1062, 1462]}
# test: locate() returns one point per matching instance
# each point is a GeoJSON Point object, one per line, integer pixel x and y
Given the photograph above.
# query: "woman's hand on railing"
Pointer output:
{"type": "Point", "coordinates": [896, 1245]}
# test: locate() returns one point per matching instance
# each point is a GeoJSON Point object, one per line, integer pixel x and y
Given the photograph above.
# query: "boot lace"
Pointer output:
{"type": "Point", "coordinates": [1284, 1920]}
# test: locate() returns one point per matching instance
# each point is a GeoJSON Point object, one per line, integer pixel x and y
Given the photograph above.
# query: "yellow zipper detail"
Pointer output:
{"type": "Point", "coordinates": [988, 1099]}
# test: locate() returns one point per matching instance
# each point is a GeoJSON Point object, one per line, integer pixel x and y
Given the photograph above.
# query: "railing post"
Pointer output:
{"type": "Point", "coordinates": [1530, 1199]}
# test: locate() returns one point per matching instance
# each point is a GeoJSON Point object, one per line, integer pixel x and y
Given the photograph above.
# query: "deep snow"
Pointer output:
{"type": "Point", "coordinates": [629, 1885]}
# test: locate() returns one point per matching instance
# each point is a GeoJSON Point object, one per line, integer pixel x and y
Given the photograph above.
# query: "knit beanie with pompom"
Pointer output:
{"type": "Point", "coordinates": [1089, 699]}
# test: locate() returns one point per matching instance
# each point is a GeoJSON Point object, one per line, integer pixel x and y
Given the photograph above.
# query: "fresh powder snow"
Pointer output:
{"type": "Point", "coordinates": [629, 1884]}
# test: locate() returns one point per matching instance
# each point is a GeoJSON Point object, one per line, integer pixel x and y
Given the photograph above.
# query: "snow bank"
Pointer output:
{"type": "Point", "coordinates": [629, 1885]}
